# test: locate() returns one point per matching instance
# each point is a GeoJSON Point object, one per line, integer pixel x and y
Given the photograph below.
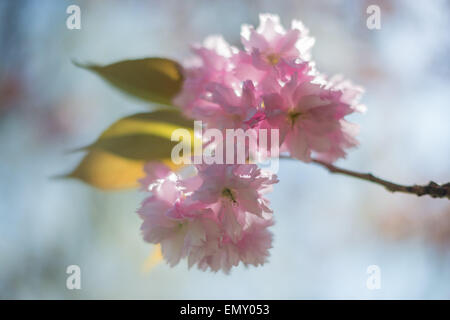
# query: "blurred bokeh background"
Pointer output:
{"type": "Point", "coordinates": [329, 228]}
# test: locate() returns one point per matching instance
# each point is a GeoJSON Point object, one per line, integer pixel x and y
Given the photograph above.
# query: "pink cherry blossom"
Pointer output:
{"type": "Point", "coordinates": [271, 46]}
{"type": "Point", "coordinates": [251, 249]}
{"type": "Point", "coordinates": [212, 63]}
{"type": "Point", "coordinates": [232, 191]}
{"type": "Point", "coordinates": [215, 219]}
{"type": "Point", "coordinates": [154, 171]}
{"type": "Point", "coordinates": [218, 217]}
{"type": "Point", "coordinates": [178, 225]}
{"type": "Point", "coordinates": [350, 93]}
{"type": "Point", "coordinates": [226, 108]}
{"type": "Point", "coordinates": [310, 118]}
{"type": "Point", "coordinates": [257, 240]}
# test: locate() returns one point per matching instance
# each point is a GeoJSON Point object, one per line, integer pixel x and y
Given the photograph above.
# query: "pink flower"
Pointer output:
{"type": "Point", "coordinates": [227, 109]}
{"type": "Point", "coordinates": [251, 249]}
{"type": "Point", "coordinates": [257, 240]}
{"type": "Point", "coordinates": [310, 118]}
{"type": "Point", "coordinates": [154, 171]}
{"type": "Point", "coordinates": [215, 219]}
{"type": "Point", "coordinates": [232, 191]}
{"type": "Point", "coordinates": [180, 226]}
{"type": "Point", "coordinates": [271, 46]}
{"type": "Point", "coordinates": [350, 93]}
{"type": "Point", "coordinates": [218, 217]}
{"type": "Point", "coordinates": [212, 63]}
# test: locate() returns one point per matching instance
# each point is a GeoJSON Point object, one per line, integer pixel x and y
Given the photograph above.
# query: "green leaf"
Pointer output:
{"type": "Point", "coordinates": [143, 136]}
{"type": "Point", "coordinates": [116, 159]}
{"type": "Point", "coordinates": [151, 79]}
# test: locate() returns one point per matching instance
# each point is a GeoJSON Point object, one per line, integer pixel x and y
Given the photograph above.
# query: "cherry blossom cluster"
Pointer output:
{"type": "Point", "coordinates": [271, 84]}
{"type": "Point", "coordinates": [218, 217]}
{"type": "Point", "coordinates": [215, 218]}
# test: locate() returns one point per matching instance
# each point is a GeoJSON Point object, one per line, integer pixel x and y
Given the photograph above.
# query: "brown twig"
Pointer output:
{"type": "Point", "coordinates": [432, 189]}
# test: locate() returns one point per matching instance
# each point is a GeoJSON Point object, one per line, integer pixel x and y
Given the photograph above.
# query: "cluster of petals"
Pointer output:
{"type": "Point", "coordinates": [216, 218]}
{"type": "Point", "coordinates": [273, 84]}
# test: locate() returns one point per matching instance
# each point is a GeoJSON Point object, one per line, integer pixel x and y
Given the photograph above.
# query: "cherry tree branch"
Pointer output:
{"type": "Point", "coordinates": [432, 189]}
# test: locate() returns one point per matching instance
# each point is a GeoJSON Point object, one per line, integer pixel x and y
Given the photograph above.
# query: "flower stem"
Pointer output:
{"type": "Point", "coordinates": [432, 189]}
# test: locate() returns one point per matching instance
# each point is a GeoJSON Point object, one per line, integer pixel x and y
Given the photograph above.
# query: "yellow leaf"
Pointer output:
{"type": "Point", "coordinates": [151, 79]}
{"type": "Point", "coordinates": [108, 172]}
